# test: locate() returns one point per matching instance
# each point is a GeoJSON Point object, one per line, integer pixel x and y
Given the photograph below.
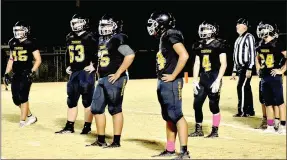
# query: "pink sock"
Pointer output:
{"type": "Point", "coordinates": [270, 122]}
{"type": "Point", "coordinates": [170, 146]}
{"type": "Point", "coordinates": [216, 120]}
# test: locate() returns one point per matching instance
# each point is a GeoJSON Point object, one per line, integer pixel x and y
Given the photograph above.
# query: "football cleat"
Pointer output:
{"type": "Point", "coordinates": [263, 124]}
{"type": "Point", "coordinates": [282, 129]}
{"type": "Point", "coordinates": [65, 131]}
{"type": "Point", "coordinates": [22, 124]}
{"type": "Point", "coordinates": [165, 153]}
{"type": "Point", "coordinates": [97, 143]}
{"type": "Point", "coordinates": [31, 120]}
{"type": "Point", "coordinates": [113, 145]}
{"type": "Point", "coordinates": [86, 130]}
{"type": "Point", "coordinates": [184, 155]}
{"type": "Point", "coordinates": [269, 129]}
{"type": "Point", "coordinates": [198, 131]}
{"type": "Point", "coordinates": [214, 133]}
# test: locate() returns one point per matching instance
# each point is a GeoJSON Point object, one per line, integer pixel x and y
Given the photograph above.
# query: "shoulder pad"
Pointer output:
{"type": "Point", "coordinates": [70, 35]}
{"type": "Point", "coordinates": [11, 41]}
{"type": "Point", "coordinates": [173, 32]}
{"type": "Point", "coordinates": [121, 38]}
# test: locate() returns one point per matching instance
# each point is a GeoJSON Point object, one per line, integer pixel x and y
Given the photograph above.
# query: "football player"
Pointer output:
{"type": "Point", "coordinates": [115, 57]}
{"type": "Point", "coordinates": [210, 63]}
{"type": "Point", "coordinates": [23, 49]}
{"type": "Point", "coordinates": [271, 53]}
{"type": "Point", "coordinates": [81, 59]}
{"type": "Point", "coordinates": [170, 61]}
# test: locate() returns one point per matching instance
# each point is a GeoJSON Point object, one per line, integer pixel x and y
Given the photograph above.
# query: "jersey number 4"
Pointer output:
{"type": "Point", "coordinates": [20, 55]}
{"type": "Point", "coordinates": [81, 53]}
{"type": "Point", "coordinates": [206, 63]}
{"type": "Point", "coordinates": [160, 60]}
{"type": "Point", "coordinates": [269, 60]}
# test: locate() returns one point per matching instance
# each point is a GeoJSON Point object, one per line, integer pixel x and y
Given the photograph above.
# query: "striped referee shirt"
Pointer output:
{"type": "Point", "coordinates": [244, 52]}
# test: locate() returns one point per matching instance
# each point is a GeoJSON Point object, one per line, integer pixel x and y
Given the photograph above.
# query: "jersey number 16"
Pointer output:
{"type": "Point", "coordinates": [81, 53]}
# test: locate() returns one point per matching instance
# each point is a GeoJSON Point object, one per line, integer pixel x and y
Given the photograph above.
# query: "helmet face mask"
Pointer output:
{"type": "Point", "coordinates": [151, 28]}
{"type": "Point", "coordinates": [264, 30]}
{"type": "Point", "coordinates": [20, 32]}
{"type": "Point", "coordinates": [206, 30]}
{"type": "Point", "coordinates": [107, 27]}
{"type": "Point", "coordinates": [77, 24]}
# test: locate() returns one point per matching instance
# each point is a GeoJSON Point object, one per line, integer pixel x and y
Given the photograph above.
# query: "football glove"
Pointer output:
{"type": "Point", "coordinates": [68, 70]}
{"type": "Point", "coordinates": [215, 86]}
{"type": "Point", "coordinates": [195, 87]}
{"type": "Point", "coordinates": [7, 79]}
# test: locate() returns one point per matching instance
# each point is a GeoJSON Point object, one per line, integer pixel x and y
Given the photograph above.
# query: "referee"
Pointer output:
{"type": "Point", "coordinates": [244, 60]}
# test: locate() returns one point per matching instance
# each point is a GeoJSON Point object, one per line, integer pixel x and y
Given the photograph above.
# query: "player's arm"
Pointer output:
{"type": "Point", "coordinates": [257, 64]}
{"type": "Point", "coordinates": [128, 60]}
{"type": "Point", "coordinates": [182, 59]}
{"type": "Point", "coordinates": [284, 67]}
{"type": "Point", "coordinates": [282, 70]}
{"type": "Point", "coordinates": [129, 54]}
{"type": "Point", "coordinates": [38, 60]}
{"type": "Point", "coordinates": [9, 64]}
{"type": "Point", "coordinates": [196, 68]}
{"type": "Point", "coordinates": [223, 65]}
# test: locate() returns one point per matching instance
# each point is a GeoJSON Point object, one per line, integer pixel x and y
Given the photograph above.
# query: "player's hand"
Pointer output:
{"type": "Point", "coordinates": [215, 86]}
{"type": "Point", "coordinates": [233, 76]}
{"type": "Point", "coordinates": [167, 77]}
{"type": "Point", "coordinates": [90, 68]}
{"type": "Point", "coordinates": [195, 87]}
{"type": "Point", "coordinates": [114, 77]}
{"type": "Point", "coordinates": [7, 79]}
{"type": "Point", "coordinates": [248, 73]}
{"type": "Point", "coordinates": [68, 70]}
{"type": "Point", "coordinates": [31, 76]}
{"type": "Point", "coordinates": [275, 72]}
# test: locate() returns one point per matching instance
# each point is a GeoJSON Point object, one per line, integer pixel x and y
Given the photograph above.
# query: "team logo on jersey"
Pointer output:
{"type": "Point", "coordinates": [76, 42]}
{"type": "Point", "coordinates": [206, 51]}
{"type": "Point", "coordinates": [265, 50]}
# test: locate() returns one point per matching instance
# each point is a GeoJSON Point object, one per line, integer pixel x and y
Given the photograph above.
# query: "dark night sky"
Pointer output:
{"type": "Point", "coordinates": [50, 20]}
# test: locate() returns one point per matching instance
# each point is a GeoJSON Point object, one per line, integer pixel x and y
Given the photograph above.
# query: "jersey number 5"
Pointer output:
{"type": "Point", "coordinates": [20, 55]}
{"type": "Point", "coordinates": [160, 60]}
{"type": "Point", "coordinates": [104, 59]}
{"type": "Point", "coordinates": [81, 53]}
{"type": "Point", "coordinates": [206, 63]}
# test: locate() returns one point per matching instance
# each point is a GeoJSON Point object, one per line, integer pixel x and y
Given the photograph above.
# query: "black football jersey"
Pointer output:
{"type": "Point", "coordinates": [22, 53]}
{"type": "Point", "coordinates": [270, 56]}
{"type": "Point", "coordinates": [166, 57]}
{"type": "Point", "coordinates": [209, 54]}
{"type": "Point", "coordinates": [81, 50]}
{"type": "Point", "coordinates": [110, 59]}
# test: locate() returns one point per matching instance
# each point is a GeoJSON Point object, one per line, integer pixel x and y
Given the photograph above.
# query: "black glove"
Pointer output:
{"type": "Point", "coordinates": [31, 76]}
{"type": "Point", "coordinates": [7, 79]}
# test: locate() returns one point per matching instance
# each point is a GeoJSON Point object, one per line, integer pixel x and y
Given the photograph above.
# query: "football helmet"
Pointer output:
{"type": "Point", "coordinates": [109, 25]}
{"type": "Point", "coordinates": [159, 22]}
{"type": "Point", "coordinates": [207, 30]}
{"type": "Point", "coordinates": [21, 30]}
{"type": "Point", "coordinates": [266, 29]}
{"type": "Point", "coordinates": [79, 23]}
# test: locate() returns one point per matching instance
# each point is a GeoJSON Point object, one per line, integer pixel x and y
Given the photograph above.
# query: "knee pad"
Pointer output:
{"type": "Point", "coordinates": [115, 109]}
{"type": "Point", "coordinates": [174, 117]}
{"type": "Point", "coordinates": [214, 103]}
{"type": "Point", "coordinates": [71, 102]}
{"type": "Point", "coordinates": [16, 100]}
{"type": "Point", "coordinates": [96, 109]}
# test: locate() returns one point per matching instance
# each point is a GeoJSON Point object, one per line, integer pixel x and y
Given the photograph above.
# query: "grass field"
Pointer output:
{"type": "Point", "coordinates": [144, 129]}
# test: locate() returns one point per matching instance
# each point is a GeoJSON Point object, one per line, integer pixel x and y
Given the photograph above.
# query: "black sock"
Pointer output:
{"type": "Point", "coordinates": [117, 139]}
{"type": "Point", "coordinates": [101, 138]}
{"type": "Point", "coordinates": [183, 149]}
{"type": "Point", "coordinates": [30, 115]}
{"type": "Point", "coordinates": [277, 118]}
{"type": "Point", "coordinates": [264, 117]}
{"type": "Point", "coordinates": [283, 123]}
{"type": "Point", "coordinates": [70, 124]}
{"type": "Point", "coordinates": [87, 125]}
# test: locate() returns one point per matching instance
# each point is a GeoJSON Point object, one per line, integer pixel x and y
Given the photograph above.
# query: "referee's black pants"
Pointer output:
{"type": "Point", "coordinates": [244, 93]}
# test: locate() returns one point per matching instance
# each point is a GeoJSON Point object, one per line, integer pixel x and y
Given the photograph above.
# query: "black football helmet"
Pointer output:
{"type": "Point", "coordinates": [21, 30]}
{"type": "Point", "coordinates": [208, 30]}
{"type": "Point", "coordinates": [267, 29]}
{"type": "Point", "coordinates": [79, 23]}
{"type": "Point", "coordinates": [159, 22]}
{"type": "Point", "coordinates": [109, 25]}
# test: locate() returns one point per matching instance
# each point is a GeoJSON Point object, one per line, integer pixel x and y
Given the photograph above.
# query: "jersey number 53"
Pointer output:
{"type": "Point", "coordinates": [81, 53]}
